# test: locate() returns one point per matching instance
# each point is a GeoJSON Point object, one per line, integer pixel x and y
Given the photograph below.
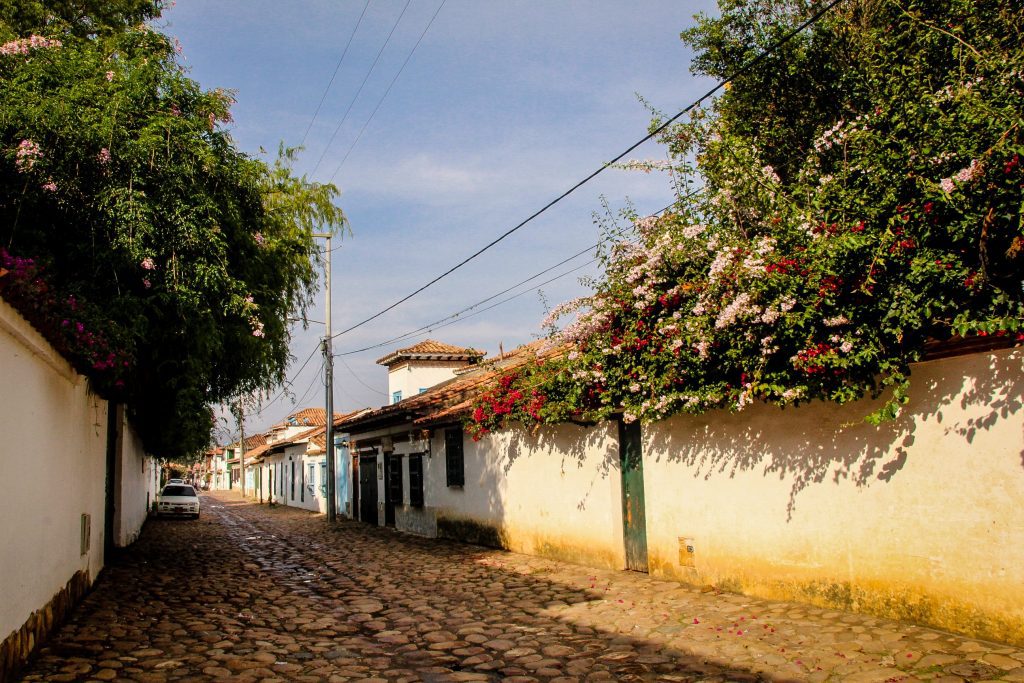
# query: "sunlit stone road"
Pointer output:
{"type": "Point", "coordinates": [249, 593]}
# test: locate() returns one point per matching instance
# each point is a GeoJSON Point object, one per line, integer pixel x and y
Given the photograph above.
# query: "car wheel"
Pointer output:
{"type": "Point", "coordinates": [195, 516]}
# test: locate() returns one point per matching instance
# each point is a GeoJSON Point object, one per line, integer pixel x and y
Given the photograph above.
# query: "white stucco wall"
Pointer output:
{"type": "Point", "coordinates": [410, 378]}
{"type": "Point", "coordinates": [137, 480]}
{"type": "Point", "coordinates": [554, 491]}
{"type": "Point", "coordinates": [920, 519]}
{"type": "Point", "coordinates": [53, 455]}
{"type": "Point", "coordinates": [315, 498]}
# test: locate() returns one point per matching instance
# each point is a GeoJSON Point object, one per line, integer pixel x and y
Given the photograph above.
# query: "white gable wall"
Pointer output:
{"type": "Point", "coordinates": [411, 376]}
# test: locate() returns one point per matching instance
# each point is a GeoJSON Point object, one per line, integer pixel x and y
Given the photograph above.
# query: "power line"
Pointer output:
{"type": "Point", "coordinates": [386, 92]}
{"type": "Point", "coordinates": [437, 324]}
{"type": "Point", "coordinates": [511, 298]}
{"type": "Point", "coordinates": [316, 376]}
{"type": "Point", "coordinates": [335, 74]}
{"type": "Point", "coordinates": [357, 378]}
{"type": "Point", "coordinates": [739, 72]}
{"type": "Point", "coordinates": [360, 90]}
{"type": "Point", "coordinates": [288, 383]}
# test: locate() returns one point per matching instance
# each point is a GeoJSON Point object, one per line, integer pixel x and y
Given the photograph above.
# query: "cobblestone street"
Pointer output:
{"type": "Point", "coordinates": [251, 593]}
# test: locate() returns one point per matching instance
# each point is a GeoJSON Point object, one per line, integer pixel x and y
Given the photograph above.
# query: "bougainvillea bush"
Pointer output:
{"type": "Point", "coordinates": [856, 195]}
{"type": "Point", "coordinates": [122, 192]}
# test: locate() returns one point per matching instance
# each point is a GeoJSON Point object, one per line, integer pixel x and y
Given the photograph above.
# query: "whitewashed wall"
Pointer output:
{"type": "Point", "coordinates": [920, 519]}
{"type": "Point", "coordinates": [409, 378]}
{"type": "Point", "coordinates": [53, 455]}
{"type": "Point", "coordinates": [553, 491]}
{"type": "Point", "coordinates": [137, 480]}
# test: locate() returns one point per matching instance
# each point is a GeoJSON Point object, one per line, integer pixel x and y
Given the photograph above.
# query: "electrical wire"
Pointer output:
{"type": "Point", "coordinates": [386, 92]}
{"type": "Point", "coordinates": [317, 376]}
{"type": "Point", "coordinates": [288, 383]}
{"type": "Point", "coordinates": [360, 90]}
{"type": "Point", "coordinates": [335, 74]}
{"type": "Point", "coordinates": [437, 324]}
{"type": "Point", "coordinates": [749, 64]}
{"type": "Point", "coordinates": [352, 372]}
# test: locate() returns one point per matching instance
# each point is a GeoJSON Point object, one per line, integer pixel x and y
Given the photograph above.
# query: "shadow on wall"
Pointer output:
{"type": "Point", "coordinates": [819, 441]}
{"type": "Point", "coordinates": [522, 485]}
{"type": "Point", "coordinates": [573, 444]}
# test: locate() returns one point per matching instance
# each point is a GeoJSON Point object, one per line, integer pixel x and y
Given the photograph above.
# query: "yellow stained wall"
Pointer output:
{"type": "Point", "coordinates": [921, 519]}
{"type": "Point", "coordinates": [552, 491]}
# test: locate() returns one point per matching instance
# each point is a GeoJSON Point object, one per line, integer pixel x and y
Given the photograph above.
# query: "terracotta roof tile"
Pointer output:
{"type": "Point", "coordinates": [430, 347]}
{"type": "Point", "coordinates": [440, 399]}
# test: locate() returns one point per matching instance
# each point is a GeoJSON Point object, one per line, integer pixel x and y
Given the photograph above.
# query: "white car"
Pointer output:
{"type": "Point", "coordinates": [178, 499]}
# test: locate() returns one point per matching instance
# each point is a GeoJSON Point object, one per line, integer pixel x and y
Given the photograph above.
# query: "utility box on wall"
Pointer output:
{"type": "Point", "coordinates": [687, 552]}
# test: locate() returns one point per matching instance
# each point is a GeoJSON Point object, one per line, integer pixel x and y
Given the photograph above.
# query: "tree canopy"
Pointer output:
{"type": "Point", "coordinates": [162, 259]}
{"type": "Point", "coordinates": [853, 197]}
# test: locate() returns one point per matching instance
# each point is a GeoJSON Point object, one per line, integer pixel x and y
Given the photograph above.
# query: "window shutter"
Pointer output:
{"type": "Point", "coordinates": [416, 480]}
{"type": "Point", "coordinates": [454, 462]}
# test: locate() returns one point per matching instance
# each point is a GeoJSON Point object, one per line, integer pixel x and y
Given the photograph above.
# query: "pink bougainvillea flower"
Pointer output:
{"type": "Point", "coordinates": [27, 155]}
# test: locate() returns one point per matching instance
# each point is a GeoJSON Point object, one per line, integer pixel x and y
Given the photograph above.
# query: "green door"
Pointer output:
{"type": "Point", "coordinates": [634, 524]}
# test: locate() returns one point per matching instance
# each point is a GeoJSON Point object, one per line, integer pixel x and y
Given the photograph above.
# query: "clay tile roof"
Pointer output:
{"type": "Point", "coordinates": [430, 349]}
{"type": "Point", "coordinates": [316, 436]}
{"type": "Point", "coordinates": [312, 417]}
{"type": "Point", "coordinates": [257, 451]}
{"type": "Point", "coordinates": [437, 402]}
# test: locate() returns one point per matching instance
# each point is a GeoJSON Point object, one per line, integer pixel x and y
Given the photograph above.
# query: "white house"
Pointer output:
{"type": "Point", "coordinates": [809, 503]}
{"type": "Point", "coordinates": [415, 369]}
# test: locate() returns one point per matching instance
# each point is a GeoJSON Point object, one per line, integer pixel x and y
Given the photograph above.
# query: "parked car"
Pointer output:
{"type": "Point", "coordinates": [175, 481]}
{"type": "Point", "coordinates": [178, 499]}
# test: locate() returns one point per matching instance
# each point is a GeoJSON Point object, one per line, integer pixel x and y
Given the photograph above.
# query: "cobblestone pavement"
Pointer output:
{"type": "Point", "coordinates": [249, 593]}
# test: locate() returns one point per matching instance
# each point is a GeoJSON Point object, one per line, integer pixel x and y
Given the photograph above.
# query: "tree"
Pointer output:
{"type": "Point", "coordinates": [860, 194]}
{"type": "Point", "coordinates": [153, 237]}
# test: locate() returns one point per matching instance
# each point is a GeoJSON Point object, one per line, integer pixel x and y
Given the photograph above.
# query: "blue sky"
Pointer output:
{"type": "Point", "coordinates": [502, 107]}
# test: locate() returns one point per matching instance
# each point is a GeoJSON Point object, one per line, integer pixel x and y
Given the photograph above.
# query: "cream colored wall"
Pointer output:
{"type": "Point", "coordinates": [137, 476]}
{"type": "Point", "coordinates": [53, 456]}
{"type": "Point", "coordinates": [409, 379]}
{"type": "Point", "coordinates": [920, 519]}
{"type": "Point", "coordinates": [554, 491]}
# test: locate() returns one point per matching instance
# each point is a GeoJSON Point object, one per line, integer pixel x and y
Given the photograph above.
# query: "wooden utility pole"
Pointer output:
{"type": "Point", "coordinates": [332, 494]}
{"type": "Point", "coordinates": [241, 447]}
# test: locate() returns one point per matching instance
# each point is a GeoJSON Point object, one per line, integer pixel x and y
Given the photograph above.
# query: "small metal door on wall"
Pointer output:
{"type": "Point", "coordinates": [368, 488]}
{"type": "Point", "coordinates": [393, 489]}
{"type": "Point", "coordinates": [634, 522]}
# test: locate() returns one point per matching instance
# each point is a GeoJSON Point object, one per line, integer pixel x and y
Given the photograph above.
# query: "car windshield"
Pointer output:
{"type": "Point", "coordinates": [179, 491]}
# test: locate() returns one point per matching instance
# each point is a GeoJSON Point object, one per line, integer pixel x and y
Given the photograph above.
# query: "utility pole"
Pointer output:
{"type": "Point", "coordinates": [332, 494]}
{"type": "Point", "coordinates": [241, 447]}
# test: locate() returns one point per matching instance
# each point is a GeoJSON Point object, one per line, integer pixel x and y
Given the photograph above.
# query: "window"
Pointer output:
{"type": "Point", "coordinates": [416, 480]}
{"type": "Point", "coordinates": [291, 482]}
{"type": "Point", "coordinates": [395, 479]}
{"type": "Point", "coordinates": [396, 396]}
{"type": "Point", "coordinates": [302, 484]}
{"type": "Point", "coordinates": [323, 478]}
{"type": "Point", "coordinates": [423, 390]}
{"type": "Point", "coordinates": [453, 458]}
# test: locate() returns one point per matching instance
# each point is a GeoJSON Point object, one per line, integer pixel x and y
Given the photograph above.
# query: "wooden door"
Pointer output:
{"type": "Point", "coordinates": [393, 487]}
{"type": "Point", "coordinates": [368, 488]}
{"type": "Point", "coordinates": [634, 523]}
